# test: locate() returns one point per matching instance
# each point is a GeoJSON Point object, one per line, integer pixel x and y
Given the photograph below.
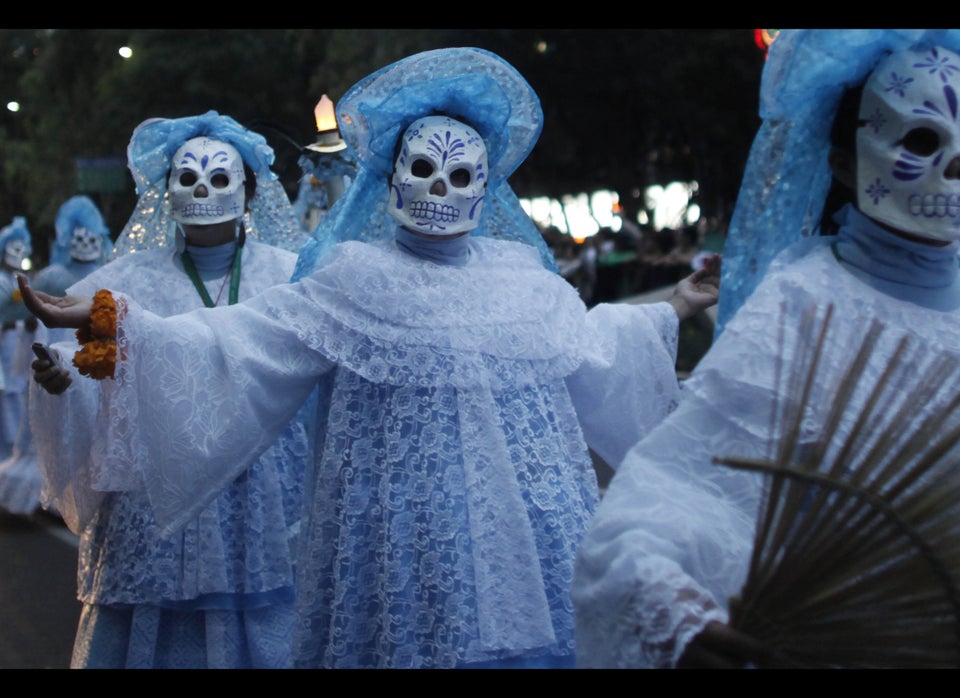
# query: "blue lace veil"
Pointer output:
{"type": "Point", "coordinates": [77, 211]}
{"type": "Point", "coordinates": [787, 176]}
{"type": "Point", "coordinates": [270, 219]}
{"type": "Point", "coordinates": [16, 230]}
{"type": "Point", "coordinates": [470, 83]}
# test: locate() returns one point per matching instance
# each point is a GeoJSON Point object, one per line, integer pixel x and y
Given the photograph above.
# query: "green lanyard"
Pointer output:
{"type": "Point", "coordinates": [191, 270]}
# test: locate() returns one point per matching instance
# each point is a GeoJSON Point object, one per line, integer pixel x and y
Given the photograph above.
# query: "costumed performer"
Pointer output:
{"type": "Point", "coordinates": [17, 329]}
{"type": "Point", "coordinates": [856, 173]}
{"type": "Point", "coordinates": [460, 379]}
{"type": "Point", "coordinates": [218, 592]}
{"type": "Point", "coordinates": [81, 245]}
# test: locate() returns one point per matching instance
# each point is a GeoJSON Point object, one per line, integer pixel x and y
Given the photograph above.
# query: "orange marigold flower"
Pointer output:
{"type": "Point", "coordinates": [84, 335]}
{"type": "Point", "coordinates": [103, 316]}
{"type": "Point", "coordinates": [17, 296]}
{"type": "Point", "coordinates": [97, 359]}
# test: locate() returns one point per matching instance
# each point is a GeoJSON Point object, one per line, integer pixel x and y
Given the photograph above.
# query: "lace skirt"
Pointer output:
{"type": "Point", "coordinates": [149, 637]}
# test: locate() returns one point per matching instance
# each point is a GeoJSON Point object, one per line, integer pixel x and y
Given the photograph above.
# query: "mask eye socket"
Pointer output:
{"type": "Point", "coordinates": [188, 179]}
{"type": "Point", "coordinates": [220, 180]}
{"type": "Point", "coordinates": [460, 177]}
{"type": "Point", "coordinates": [921, 141]}
{"type": "Point", "coordinates": [421, 168]}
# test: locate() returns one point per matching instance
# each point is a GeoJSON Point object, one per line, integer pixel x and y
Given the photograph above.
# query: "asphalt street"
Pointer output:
{"type": "Point", "coordinates": [38, 583]}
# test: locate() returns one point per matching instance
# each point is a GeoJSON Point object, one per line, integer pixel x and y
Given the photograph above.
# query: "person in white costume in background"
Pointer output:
{"type": "Point", "coordinates": [460, 382]}
{"type": "Point", "coordinates": [852, 189]}
{"type": "Point", "coordinates": [218, 592]}
{"type": "Point", "coordinates": [17, 330]}
{"type": "Point", "coordinates": [80, 246]}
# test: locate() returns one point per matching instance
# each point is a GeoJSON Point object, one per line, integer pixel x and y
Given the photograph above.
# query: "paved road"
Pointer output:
{"type": "Point", "coordinates": [38, 583]}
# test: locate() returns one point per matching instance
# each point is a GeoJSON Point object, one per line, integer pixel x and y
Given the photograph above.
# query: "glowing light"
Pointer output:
{"type": "Point", "coordinates": [328, 132]}
{"type": "Point", "coordinates": [764, 37]}
{"type": "Point", "coordinates": [324, 116]}
{"type": "Point", "coordinates": [125, 52]}
{"type": "Point", "coordinates": [604, 205]}
{"type": "Point", "coordinates": [13, 106]}
{"type": "Point", "coordinates": [577, 210]}
{"type": "Point", "coordinates": [671, 205]}
{"type": "Point", "coordinates": [583, 215]}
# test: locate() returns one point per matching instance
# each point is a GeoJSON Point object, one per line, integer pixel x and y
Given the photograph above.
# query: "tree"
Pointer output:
{"type": "Point", "coordinates": [622, 108]}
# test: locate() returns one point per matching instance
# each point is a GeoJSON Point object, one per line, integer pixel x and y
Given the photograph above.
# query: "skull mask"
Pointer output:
{"type": "Point", "coordinates": [206, 182]}
{"type": "Point", "coordinates": [15, 252]}
{"type": "Point", "coordinates": [908, 146]}
{"type": "Point", "coordinates": [85, 245]}
{"type": "Point", "coordinates": [439, 178]}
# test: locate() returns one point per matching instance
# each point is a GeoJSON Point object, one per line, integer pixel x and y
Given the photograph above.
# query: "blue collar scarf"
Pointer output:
{"type": "Point", "coordinates": [212, 261]}
{"type": "Point", "coordinates": [448, 251]}
{"type": "Point", "coordinates": [913, 271]}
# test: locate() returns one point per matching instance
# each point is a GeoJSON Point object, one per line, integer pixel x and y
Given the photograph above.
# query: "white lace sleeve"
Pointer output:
{"type": "Point", "coordinates": [671, 540]}
{"type": "Point", "coordinates": [63, 427]}
{"type": "Point", "coordinates": [627, 382]}
{"type": "Point", "coordinates": [668, 546]}
{"type": "Point", "coordinates": [216, 388]}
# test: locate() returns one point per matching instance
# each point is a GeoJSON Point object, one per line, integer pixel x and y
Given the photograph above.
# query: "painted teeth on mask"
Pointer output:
{"type": "Point", "coordinates": [935, 205]}
{"type": "Point", "coordinates": [430, 210]}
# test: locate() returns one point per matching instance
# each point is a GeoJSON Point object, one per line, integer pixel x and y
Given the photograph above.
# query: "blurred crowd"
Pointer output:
{"type": "Point", "coordinates": [613, 265]}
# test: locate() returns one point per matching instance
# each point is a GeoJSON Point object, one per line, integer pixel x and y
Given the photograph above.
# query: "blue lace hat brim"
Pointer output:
{"type": "Point", "coordinates": [469, 84]}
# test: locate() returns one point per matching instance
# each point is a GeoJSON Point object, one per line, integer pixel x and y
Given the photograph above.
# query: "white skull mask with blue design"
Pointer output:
{"type": "Point", "coordinates": [15, 252]}
{"type": "Point", "coordinates": [439, 178]}
{"type": "Point", "coordinates": [908, 145]}
{"type": "Point", "coordinates": [206, 182]}
{"type": "Point", "coordinates": [85, 245]}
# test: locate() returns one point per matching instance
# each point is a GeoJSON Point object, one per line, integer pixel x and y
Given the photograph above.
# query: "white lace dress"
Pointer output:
{"type": "Point", "coordinates": [671, 541]}
{"type": "Point", "coordinates": [451, 482]}
{"type": "Point", "coordinates": [218, 592]}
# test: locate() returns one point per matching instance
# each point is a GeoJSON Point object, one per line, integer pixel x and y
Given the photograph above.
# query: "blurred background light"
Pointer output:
{"type": "Point", "coordinates": [583, 215]}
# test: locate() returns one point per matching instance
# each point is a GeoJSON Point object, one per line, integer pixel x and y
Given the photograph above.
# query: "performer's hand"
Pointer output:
{"type": "Point", "coordinates": [52, 377]}
{"type": "Point", "coordinates": [56, 311]}
{"type": "Point", "coordinates": [718, 646]}
{"type": "Point", "coordinates": [698, 291]}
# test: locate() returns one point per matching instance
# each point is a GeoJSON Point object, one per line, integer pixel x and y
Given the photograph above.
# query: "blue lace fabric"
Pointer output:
{"type": "Point", "coordinates": [444, 420]}
{"type": "Point", "coordinates": [221, 587]}
{"type": "Point", "coordinates": [467, 83]}
{"type": "Point", "coordinates": [788, 174]}
{"type": "Point", "coordinates": [451, 481]}
{"type": "Point", "coordinates": [218, 592]}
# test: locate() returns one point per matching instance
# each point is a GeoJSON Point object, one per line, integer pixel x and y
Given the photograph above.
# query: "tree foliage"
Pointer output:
{"type": "Point", "coordinates": [622, 108]}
